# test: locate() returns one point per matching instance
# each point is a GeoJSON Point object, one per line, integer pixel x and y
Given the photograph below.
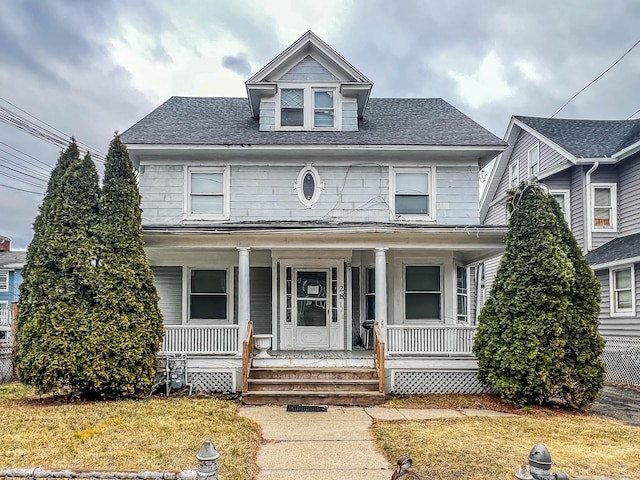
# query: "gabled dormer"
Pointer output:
{"type": "Point", "coordinates": [309, 86]}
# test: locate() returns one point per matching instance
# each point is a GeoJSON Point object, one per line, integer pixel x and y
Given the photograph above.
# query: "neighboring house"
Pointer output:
{"type": "Point", "coordinates": [592, 167]}
{"type": "Point", "coordinates": [11, 264]}
{"type": "Point", "coordinates": [312, 209]}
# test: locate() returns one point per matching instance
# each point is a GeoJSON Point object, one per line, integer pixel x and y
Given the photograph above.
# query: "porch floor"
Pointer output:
{"type": "Point", "coordinates": [357, 352]}
{"type": "Point", "coordinates": [358, 357]}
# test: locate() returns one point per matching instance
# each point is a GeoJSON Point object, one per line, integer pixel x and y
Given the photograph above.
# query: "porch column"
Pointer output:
{"type": "Point", "coordinates": [244, 298]}
{"type": "Point", "coordinates": [381, 289]}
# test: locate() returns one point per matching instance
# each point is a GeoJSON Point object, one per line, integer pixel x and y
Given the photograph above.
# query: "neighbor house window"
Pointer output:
{"type": "Point", "coordinates": [534, 161]}
{"type": "Point", "coordinates": [413, 193]}
{"type": "Point", "coordinates": [514, 174]}
{"type": "Point", "coordinates": [422, 292]}
{"type": "Point", "coordinates": [622, 284]}
{"type": "Point", "coordinates": [462, 282]}
{"type": "Point", "coordinates": [208, 295]}
{"type": "Point", "coordinates": [603, 198]}
{"type": "Point", "coordinates": [323, 108]}
{"type": "Point", "coordinates": [292, 111]}
{"type": "Point", "coordinates": [208, 195]}
{"type": "Point", "coordinates": [4, 281]}
{"type": "Point", "coordinates": [562, 197]}
{"type": "Point", "coordinates": [370, 294]}
{"type": "Point", "coordinates": [4, 314]}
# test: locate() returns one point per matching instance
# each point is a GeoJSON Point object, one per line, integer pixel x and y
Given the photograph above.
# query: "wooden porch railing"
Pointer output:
{"type": "Point", "coordinates": [247, 357]}
{"type": "Point", "coordinates": [430, 339]}
{"type": "Point", "coordinates": [378, 355]}
{"type": "Point", "coordinates": [212, 339]}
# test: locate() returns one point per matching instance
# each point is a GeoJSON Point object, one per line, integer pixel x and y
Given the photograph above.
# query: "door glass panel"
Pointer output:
{"type": "Point", "coordinates": [311, 291]}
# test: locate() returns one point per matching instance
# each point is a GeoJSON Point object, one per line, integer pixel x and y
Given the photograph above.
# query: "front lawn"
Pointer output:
{"type": "Point", "coordinates": [148, 434]}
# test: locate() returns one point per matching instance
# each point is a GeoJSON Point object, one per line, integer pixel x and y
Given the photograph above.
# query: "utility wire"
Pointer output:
{"type": "Point", "coordinates": [21, 189]}
{"type": "Point", "coordinates": [26, 155]}
{"type": "Point", "coordinates": [35, 169]}
{"type": "Point", "coordinates": [29, 176]}
{"type": "Point", "coordinates": [596, 79]}
{"type": "Point", "coordinates": [28, 182]}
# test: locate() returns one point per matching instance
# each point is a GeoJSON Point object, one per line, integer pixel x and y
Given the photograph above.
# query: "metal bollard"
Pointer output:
{"type": "Point", "coordinates": [539, 466]}
{"type": "Point", "coordinates": [207, 462]}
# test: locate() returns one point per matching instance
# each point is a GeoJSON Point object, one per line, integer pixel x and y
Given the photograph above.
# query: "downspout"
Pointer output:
{"type": "Point", "coordinates": [589, 212]}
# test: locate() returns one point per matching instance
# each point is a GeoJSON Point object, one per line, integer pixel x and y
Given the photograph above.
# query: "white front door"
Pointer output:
{"type": "Point", "coordinates": [313, 311]}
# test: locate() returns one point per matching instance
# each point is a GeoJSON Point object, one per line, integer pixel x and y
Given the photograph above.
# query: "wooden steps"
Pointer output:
{"type": "Point", "coordinates": [313, 386]}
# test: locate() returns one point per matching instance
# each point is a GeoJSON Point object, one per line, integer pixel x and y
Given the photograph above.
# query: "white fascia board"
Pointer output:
{"type": "Point", "coordinates": [627, 152]}
{"type": "Point", "coordinates": [600, 160]}
{"type": "Point", "coordinates": [615, 263]}
{"type": "Point", "coordinates": [429, 148]}
{"type": "Point", "coordinates": [542, 138]}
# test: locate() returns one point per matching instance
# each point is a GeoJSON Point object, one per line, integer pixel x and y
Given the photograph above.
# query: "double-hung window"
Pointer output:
{"type": "Point", "coordinates": [308, 107]}
{"type": "Point", "coordinates": [622, 284]}
{"type": "Point", "coordinates": [462, 283]}
{"type": "Point", "coordinates": [534, 161]}
{"type": "Point", "coordinates": [413, 193]}
{"type": "Point", "coordinates": [208, 295]}
{"type": "Point", "coordinates": [562, 197]}
{"type": "Point", "coordinates": [370, 294]}
{"type": "Point", "coordinates": [603, 201]}
{"type": "Point", "coordinates": [292, 107]}
{"type": "Point", "coordinates": [514, 174]}
{"type": "Point", "coordinates": [323, 108]}
{"type": "Point", "coordinates": [422, 293]}
{"type": "Point", "coordinates": [4, 281]}
{"type": "Point", "coordinates": [207, 193]}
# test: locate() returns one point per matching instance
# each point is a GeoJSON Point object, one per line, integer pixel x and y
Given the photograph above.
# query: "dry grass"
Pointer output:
{"type": "Point", "coordinates": [149, 434]}
{"type": "Point", "coordinates": [492, 448]}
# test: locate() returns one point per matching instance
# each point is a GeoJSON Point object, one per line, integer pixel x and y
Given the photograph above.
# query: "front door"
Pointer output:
{"type": "Point", "coordinates": [312, 316]}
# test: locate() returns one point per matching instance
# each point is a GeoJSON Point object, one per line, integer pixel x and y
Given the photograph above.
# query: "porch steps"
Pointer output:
{"type": "Point", "coordinates": [319, 386]}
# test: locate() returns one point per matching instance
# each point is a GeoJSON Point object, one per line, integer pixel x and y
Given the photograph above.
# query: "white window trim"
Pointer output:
{"type": "Point", "coordinates": [308, 106]}
{"type": "Point", "coordinates": [225, 170]}
{"type": "Point", "coordinates": [410, 321]}
{"type": "Point", "coordinates": [319, 186]}
{"type": "Point", "coordinates": [4, 304]}
{"type": "Point", "coordinates": [515, 164]}
{"type": "Point", "coordinates": [613, 310]}
{"type": "Point", "coordinates": [467, 314]}
{"type": "Point", "coordinates": [614, 207]}
{"type": "Point", "coordinates": [529, 165]}
{"type": "Point", "coordinates": [186, 293]}
{"type": "Point", "coordinates": [365, 292]}
{"type": "Point", "coordinates": [5, 273]}
{"type": "Point", "coordinates": [566, 203]}
{"type": "Point", "coordinates": [431, 172]}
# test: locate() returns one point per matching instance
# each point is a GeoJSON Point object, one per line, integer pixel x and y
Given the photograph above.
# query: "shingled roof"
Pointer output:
{"type": "Point", "coordinates": [387, 121]}
{"type": "Point", "coordinates": [617, 250]}
{"type": "Point", "coordinates": [587, 138]}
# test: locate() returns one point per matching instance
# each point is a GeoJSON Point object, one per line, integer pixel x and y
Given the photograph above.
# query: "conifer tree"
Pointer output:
{"type": "Point", "coordinates": [127, 319]}
{"type": "Point", "coordinates": [537, 328]}
{"type": "Point", "coordinates": [57, 293]}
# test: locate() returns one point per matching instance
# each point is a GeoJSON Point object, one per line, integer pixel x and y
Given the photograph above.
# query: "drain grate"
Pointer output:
{"type": "Point", "coordinates": [305, 408]}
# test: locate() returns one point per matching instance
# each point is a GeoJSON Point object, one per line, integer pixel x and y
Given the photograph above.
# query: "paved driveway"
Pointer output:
{"type": "Point", "coordinates": [620, 403]}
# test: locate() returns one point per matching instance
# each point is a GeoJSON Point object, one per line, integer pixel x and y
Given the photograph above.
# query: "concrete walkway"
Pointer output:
{"type": "Point", "coordinates": [328, 445]}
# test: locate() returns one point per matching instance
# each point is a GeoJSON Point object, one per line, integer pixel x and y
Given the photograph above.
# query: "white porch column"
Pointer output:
{"type": "Point", "coordinates": [381, 289]}
{"type": "Point", "coordinates": [244, 298]}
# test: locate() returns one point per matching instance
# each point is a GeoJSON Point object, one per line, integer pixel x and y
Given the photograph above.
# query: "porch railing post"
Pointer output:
{"type": "Point", "coordinates": [244, 299]}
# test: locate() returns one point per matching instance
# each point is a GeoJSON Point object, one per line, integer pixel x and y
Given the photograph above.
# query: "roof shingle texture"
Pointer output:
{"type": "Point", "coordinates": [387, 121]}
{"type": "Point", "coordinates": [13, 259]}
{"type": "Point", "coordinates": [587, 138]}
{"type": "Point", "coordinates": [620, 248]}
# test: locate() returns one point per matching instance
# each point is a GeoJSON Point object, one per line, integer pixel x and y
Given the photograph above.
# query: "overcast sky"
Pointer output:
{"type": "Point", "coordinates": [90, 68]}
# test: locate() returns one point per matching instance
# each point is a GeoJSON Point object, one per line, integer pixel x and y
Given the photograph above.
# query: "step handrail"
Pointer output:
{"type": "Point", "coordinates": [378, 354]}
{"type": "Point", "coordinates": [247, 357]}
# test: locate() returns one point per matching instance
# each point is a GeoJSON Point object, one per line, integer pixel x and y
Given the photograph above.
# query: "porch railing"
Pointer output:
{"type": "Point", "coordinates": [430, 339]}
{"type": "Point", "coordinates": [213, 339]}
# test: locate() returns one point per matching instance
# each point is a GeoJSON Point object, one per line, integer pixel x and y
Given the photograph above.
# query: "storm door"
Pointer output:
{"type": "Point", "coordinates": [312, 306]}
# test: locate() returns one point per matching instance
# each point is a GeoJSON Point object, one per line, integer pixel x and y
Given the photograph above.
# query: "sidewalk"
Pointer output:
{"type": "Point", "coordinates": [327, 445]}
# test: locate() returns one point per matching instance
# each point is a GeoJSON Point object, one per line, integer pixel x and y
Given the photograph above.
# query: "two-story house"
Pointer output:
{"type": "Point", "coordinates": [592, 167]}
{"type": "Point", "coordinates": [11, 264]}
{"type": "Point", "coordinates": [312, 209]}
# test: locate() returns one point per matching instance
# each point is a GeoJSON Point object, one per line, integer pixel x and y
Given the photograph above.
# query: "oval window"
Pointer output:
{"type": "Point", "coordinates": [308, 186]}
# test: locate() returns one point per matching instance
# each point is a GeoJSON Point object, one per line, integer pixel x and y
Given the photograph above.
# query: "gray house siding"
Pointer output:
{"type": "Point", "coordinates": [308, 70]}
{"type": "Point", "coordinates": [162, 191]}
{"type": "Point", "coordinates": [490, 269]}
{"type": "Point", "coordinates": [497, 214]}
{"type": "Point", "coordinates": [629, 196]}
{"type": "Point", "coordinates": [267, 115]}
{"type": "Point", "coordinates": [169, 286]}
{"type": "Point", "coordinates": [617, 326]}
{"type": "Point", "coordinates": [560, 181]}
{"type": "Point", "coordinates": [260, 288]}
{"type": "Point", "coordinates": [550, 158]}
{"type": "Point", "coordinates": [349, 115]}
{"type": "Point", "coordinates": [457, 196]}
{"type": "Point", "coordinates": [577, 205]}
{"type": "Point", "coordinates": [605, 174]}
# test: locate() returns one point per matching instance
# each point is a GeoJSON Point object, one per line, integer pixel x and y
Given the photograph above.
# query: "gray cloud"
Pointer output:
{"type": "Point", "coordinates": [238, 64]}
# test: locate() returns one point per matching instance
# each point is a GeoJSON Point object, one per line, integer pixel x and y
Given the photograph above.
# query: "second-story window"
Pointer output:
{"type": "Point", "coordinates": [514, 174]}
{"type": "Point", "coordinates": [413, 193]}
{"type": "Point", "coordinates": [562, 197]}
{"type": "Point", "coordinates": [604, 206]}
{"type": "Point", "coordinates": [323, 108]}
{"type": "Point", "coordinates": [207, 195]}
{"type": "Point", "coordinates": [292, 112]}
{"type": "Point", "coordinates": [534, 161]}
{"type": "Point", "coordinates": [4, 281]}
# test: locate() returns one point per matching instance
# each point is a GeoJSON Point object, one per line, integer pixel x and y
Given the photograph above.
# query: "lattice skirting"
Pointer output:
{"type": "Point", "coordinates": [407, 382]}
{"type": "Point", "coordinates": [211, 382]}
{"type": "Point", "coordinates": [6, 362]}
{"type": "Point", "coordinates": [622, 359]}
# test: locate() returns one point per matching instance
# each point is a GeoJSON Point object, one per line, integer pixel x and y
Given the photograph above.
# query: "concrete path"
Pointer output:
{"type": "Point", "coordinates": [620, 403]}
{"type": "Point", "coordinates": [328, 445]}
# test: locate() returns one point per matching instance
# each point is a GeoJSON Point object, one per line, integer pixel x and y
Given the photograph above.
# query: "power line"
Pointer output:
{"type": "Point", "coordinates": [25, 154]}
{"type": "Point", "coordinates": [596, 79]}
{"type": "Point", "coordinates": [28, 182]}
{"type": "Point", "coordinates": [34, 169]}
{"type": "Point", "coordinates": [20, 189]}
{"type": "Point", "coordinates": [31, 177]}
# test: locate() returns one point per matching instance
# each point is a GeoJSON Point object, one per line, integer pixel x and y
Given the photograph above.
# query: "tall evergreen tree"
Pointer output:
{"type": "Point", "coordinates": [127, 319]}
{"type": "Point", "coordinates": [536, 329]}
{"type": "Point", "coordinates": [57, 292]}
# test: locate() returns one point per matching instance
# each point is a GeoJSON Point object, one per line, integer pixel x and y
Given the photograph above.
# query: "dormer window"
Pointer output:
{"type": "Point", "coordinates": [308, 107]}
